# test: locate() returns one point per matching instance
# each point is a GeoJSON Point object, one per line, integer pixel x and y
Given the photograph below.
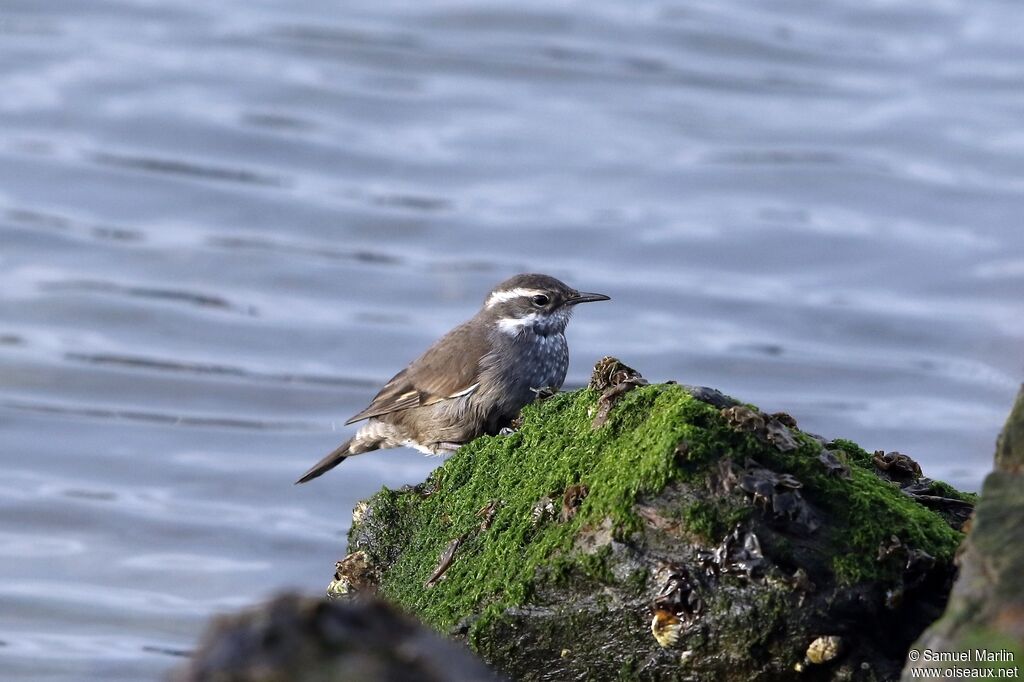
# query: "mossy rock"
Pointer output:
{"type": "Point", "coordinates": [741, 538]}
{"type": "Point", "coordinates": [985, 617]}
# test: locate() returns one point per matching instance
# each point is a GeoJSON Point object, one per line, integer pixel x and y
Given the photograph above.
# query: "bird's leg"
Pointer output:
{"type": "Point", "coordinates": [544, 393]}
{"type": "Point", "coordinates": [510, 426]}
{"type": "Point", "coordinates": [444, 447]}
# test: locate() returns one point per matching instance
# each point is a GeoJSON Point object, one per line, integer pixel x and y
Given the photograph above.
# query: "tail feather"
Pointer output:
{"type": "Point", "coordinates": [336, 457]}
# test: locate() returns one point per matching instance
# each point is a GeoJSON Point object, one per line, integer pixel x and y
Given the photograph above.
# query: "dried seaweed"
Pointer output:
{"type": "Point", "coordinates": [572, 498]}
{"type": "Point", "coordinates": [445, 562]}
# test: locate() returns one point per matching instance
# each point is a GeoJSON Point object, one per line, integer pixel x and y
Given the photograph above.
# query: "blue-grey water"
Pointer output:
{"type": "Point", "coordinates": [225, 224]}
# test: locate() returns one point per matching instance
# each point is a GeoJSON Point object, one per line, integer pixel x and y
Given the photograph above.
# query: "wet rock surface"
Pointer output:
{"type": "Point", "coordinates": [986, 607]}
{"type": "Point", "coordinates": [682, 535]}
{"type": "Point", "coordinates": [301, 639]}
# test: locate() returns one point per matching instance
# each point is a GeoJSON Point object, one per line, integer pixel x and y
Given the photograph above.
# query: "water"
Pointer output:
{"type": "Point", "coordinates": [224, 225]}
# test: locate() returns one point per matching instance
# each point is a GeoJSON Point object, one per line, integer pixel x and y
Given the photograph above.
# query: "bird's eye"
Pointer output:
{"type": "Point", "coordinates": [540, 300]}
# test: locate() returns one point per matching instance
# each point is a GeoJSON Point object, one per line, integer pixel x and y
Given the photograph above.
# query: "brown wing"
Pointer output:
{"type": "Point", "coordinates": [448, 369]}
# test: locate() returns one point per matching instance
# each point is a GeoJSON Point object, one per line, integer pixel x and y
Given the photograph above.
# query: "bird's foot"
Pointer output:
{"type": "Point", "coordinates": [544, 393]}
{"type": "Point", "coordinates": [511, 427]}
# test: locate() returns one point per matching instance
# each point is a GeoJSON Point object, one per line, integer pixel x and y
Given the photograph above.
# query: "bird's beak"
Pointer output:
{"type": "Point", "coordinates": [583, 297]}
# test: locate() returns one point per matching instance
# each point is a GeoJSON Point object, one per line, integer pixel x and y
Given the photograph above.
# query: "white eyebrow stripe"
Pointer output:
{"type": "Point", "coordinates": [507, 295]}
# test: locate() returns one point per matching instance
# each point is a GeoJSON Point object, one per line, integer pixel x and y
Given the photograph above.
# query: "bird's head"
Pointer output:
{"type": "Point", "coordinates": [533, 302]}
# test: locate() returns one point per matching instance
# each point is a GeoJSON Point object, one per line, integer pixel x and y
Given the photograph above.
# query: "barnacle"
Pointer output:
{"type": "Point", "coordinates": [543, 510]}
{"type": "Point", "coordinates": [677, 602]}
{"type": "Point", "coordinates": [738, 553]}
{"type": "Point", "coordinates": [352, 575]}
{"type": "Point", "coordinates": [773, 429]}
{"type": "Point", "coordinates": [896, 464]}
{"type": "Point", "coordinates": [776, 493]}
{"type": "Point", "coordinates": [614, 379]}
{"type": "Point", "coordinates": [609, 372]}
{"type": "Point", "coordinates": [666, 626]}
{"type": "Point", "coordinates": [359, 512]}
{"type": "Point", "coordinates": [821, 650]}
{"type": "Point", "coordinates": [742, 418]}
{"type": "Point", "coordinates": [915, 565]}
{"type": "Point", "coordinates": [785, 419]}
{"type": "Point", "coordinates": [824, 649]}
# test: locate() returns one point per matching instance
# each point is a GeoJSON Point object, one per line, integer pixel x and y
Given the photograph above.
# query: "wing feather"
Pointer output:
{"type": "Point", "coordinates": [448, 369]}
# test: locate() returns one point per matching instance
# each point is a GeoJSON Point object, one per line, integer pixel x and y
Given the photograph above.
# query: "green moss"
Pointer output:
{"type": "Point", "coordinates": [630, 455]}
{"type": "Point", "coordinates": [946, 490]}
{"type": "Point", "coordinates": [712, 519]}
{"type": "Point", "coordinates": [865, 513]}
{"type": "Point", "coordinates": [855, 454]}
{"type": "Point", "coordinates": [634, 454]}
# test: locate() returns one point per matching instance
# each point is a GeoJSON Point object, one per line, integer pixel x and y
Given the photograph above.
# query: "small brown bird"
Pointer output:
{"type": "Point", "coordinates": [476, 378]}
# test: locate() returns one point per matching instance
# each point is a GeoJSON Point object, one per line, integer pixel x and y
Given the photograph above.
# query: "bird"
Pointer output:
{"type": "Point", "coordinates": [476, 378]}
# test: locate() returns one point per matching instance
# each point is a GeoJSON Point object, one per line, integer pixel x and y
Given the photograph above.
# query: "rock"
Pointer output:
{"type": "Point", "coordinates": [986, 607]}
{"type": "Point", "coordinates": [301, 639]}
{"type": "Point", "coordinates": [698, 539]}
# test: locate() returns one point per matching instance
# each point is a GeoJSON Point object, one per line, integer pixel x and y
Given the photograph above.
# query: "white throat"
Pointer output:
{"type": "Point", "coordinates": [514, 326]}
{"type": "Point", "coordinates": [536, 323]}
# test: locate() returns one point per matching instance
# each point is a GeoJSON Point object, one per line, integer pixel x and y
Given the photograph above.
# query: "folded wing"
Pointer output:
{"type": "Point", "coordinates": [435, 376]}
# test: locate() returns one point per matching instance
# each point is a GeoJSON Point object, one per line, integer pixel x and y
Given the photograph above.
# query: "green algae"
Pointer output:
{"type": "Point", "coordinates": [655, 435]}
{"type": "Point", "coordinates": [857, 455]}
{"type": "Point", "coordinates": [712, 519]}
{"type": "Point", "coordinates": [866, 512]}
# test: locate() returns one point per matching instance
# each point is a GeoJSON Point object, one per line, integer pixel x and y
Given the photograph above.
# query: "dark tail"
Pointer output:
{"type": "Point", "coordinates": [339, 455]}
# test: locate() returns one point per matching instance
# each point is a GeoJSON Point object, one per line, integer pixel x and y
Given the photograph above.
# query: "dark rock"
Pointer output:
{"type": "Point", "coordinates": [711, 396]}
{"type": "Point", "coordinates": [301, 639]}
{"type": "Point", "coordinates": [833, 465]}
{"type": "Point", "coordinates": [935, 495]}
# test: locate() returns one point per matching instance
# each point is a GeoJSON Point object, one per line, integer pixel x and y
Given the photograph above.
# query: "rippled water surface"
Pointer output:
{"type": "Point", "coordinates": [224, 225]}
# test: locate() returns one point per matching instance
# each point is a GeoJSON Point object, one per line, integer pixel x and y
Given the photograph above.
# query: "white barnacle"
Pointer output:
{"type": "Point", "coordinates": [666, 628]}
{"type": "Point", "coordinates": [821, 650]}
{"type": "Point", "coordinates": [824, 649]}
